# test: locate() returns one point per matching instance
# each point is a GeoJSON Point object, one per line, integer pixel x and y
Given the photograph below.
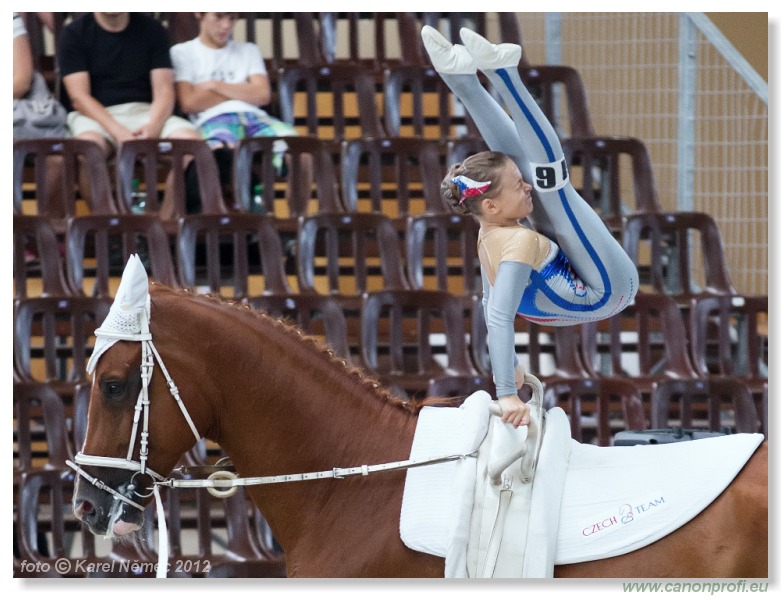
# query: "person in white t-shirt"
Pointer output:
{"type": "Point", "coordinates": [222, 84]}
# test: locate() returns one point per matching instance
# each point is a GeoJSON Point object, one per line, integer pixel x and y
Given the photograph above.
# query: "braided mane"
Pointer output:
{"type": "Point", "coordinates": [291, 329]}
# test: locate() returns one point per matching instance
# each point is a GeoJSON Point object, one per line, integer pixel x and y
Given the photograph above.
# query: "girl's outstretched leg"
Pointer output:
{"type": "Point", "coordinates": [458, 70]}
{"type": "Point", "coordinates": [595, 254]}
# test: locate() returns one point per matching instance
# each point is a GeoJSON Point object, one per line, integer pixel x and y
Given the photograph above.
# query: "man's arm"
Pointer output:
{"type": "Point", "coordinates": [197, 97]}
{"type": "Point", "coordinates": [23, 66]}
{"type": "Point", "coordinates": [162, 105]}
{"type": "Point", "coordinates": [80, 92]}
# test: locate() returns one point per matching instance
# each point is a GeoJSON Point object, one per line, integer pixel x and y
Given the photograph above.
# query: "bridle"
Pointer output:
{"type": "Point", "coordinates": [148, 355]}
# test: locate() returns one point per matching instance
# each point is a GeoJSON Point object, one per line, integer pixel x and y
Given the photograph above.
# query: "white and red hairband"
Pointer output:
{"type": "Point", "coordinates": [469, 188]}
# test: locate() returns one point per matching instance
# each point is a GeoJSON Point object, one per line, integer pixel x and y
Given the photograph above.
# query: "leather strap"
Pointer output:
{"type": "Point", "coordinates": [335, 473]}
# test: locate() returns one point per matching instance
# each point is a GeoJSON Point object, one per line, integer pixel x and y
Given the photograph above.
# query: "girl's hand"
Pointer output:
{"type": "Point", "coordinates": [514, 410]}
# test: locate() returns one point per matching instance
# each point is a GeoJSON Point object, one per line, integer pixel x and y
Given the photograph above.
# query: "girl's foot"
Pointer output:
{"type": "Point", "coordinates": [490, 56]}
{"type": "Point", "coordinates": [446, 57]}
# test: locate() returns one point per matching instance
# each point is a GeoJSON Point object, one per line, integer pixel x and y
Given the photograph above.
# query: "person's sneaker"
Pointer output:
{"type": "Point", "coordinates": [490, 56]}
{"type": "Point", "coordinates": [446, 57]}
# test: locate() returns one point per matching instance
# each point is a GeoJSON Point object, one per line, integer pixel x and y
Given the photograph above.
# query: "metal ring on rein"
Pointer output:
{"type": "Point", "coordinates": [134, 490]}
{"type": "Point", "coordinates": [222, 476]}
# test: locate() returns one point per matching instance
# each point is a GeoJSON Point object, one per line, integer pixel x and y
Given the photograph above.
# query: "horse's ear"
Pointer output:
{"type": "Point", "coordinates": [133, 288]}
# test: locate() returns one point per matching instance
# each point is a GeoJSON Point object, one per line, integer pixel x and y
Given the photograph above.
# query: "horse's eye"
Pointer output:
{"type": "Point", "coordinates": [113, 389]}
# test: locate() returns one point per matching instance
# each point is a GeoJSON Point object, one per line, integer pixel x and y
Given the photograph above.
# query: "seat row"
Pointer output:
{"type": "Point", "coordinates": [680, 254]}
{"type": "Point", "coordinates": [433, 116]}
{"type": "Point", "coordinates": [405, 338]}
{"type": "Point", "coordinates": [317, 35]}
{"type": "Point", "coordinates": [241, 254]}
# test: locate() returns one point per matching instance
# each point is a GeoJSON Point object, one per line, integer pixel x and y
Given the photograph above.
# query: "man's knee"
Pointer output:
{"type": "Point", "coordinates": [185, 133]}
{"type": "Point", "coordinates": [99, 139]}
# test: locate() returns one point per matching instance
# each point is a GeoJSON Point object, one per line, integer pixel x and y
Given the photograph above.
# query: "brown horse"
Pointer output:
{"type": "Point", "coordinates": [279, 403]}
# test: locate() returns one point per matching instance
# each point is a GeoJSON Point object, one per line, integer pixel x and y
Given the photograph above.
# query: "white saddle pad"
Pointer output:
{"type": "Point", "coordinates": [622, 498]}
{"type": "Point", "coordinates": [615, 500]}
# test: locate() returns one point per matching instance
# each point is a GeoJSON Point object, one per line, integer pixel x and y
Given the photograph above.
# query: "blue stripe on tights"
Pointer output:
{"type": "Point", "coordinates": [549, 293]}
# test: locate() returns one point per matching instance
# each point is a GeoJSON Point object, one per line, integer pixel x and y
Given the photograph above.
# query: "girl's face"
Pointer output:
{"type": "Point", "coordinates": [514, 201]}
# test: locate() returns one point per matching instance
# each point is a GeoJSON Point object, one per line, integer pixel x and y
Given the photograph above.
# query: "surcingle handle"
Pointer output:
{"type": "Point", "coordinates": [527, 448]}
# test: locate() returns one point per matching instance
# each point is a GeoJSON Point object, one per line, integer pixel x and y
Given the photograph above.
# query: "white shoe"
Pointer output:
{"type": "Point", "coordinates": [446, 57]}
{"type": "Point", "coordinates": [490, 56]}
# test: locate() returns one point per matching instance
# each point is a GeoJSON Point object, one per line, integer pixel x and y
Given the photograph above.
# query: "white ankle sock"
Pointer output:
{"type": "Point", "coordinates": [490, 56]}
{"type": "Point", "coordinates": [446, 57]}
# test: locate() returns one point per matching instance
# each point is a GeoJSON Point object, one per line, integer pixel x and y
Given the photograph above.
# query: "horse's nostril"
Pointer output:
{"type": "Point", "coordinates": [84, 509]}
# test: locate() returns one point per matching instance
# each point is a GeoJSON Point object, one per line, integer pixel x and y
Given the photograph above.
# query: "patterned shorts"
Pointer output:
{"type": "Point", "coordinates": [228, 129]}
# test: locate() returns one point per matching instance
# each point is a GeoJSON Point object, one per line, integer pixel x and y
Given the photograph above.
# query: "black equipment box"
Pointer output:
{"type": "Point", "coordinates": [663, 436]}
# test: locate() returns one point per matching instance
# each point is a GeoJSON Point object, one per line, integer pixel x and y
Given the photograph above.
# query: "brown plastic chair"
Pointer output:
{"type": "Point", "coordinates": [614, 175]}
{"type": "Point", "coordinates": [288, 195]}
{"type": "Point", "coordinates": [432, 111]}
{"type": "Point", "coordinates": [370, 51]}
{"type": "Point", "coordinates": [549, 353]}
{"type": "Point", "coordinates": [597, 407]}
{"type": "Point", "coordinates": [441, 253]}
{"type": "Point", "coordinates": [273, 26]}
{"type": "Point", "coordinates": [397, 177]}
{"type": "Point", "coordinates": [53, 339]}
{"type": "Point", "coordinates": [39, 267]}
{"type": "Point", "coordinates": [397, 338]}
{"type": "Point", "coordinates": [43, 511]}
{"type": "Point", "coordinates": [410, 43]}
{"type": "Point", "coordinates": [40, 429]}
{"type": "Point", "coordinates": [197, 513]}
{"type": "Point", "coordinates": [682, 253]}
{"type": "Point", "coordinates": [544, 83]}
{"type": "Point", "coordinates": [348, 254]}
{"type": "Point", "coordinates": [181, 26]}
{"type": "Point", "coordinates": [328, 26]}
{"type": "Point", "coordinates": [458, 150]}
{"type": "Point", "coordinates": [729, 337]}
{"type": "Point", "coordinates": [645, 343]}
{"type": "Point", "coordinates": [339, 101]}
{"type": "Point", "coordinates": [704, 404]}
{"type": "Point", "coordinates": [99, 247]}
{"type": "Point", "coordinates": [563, 348]}
{"type": "Point", "coordinates": [150, 161]}
{"type": "Point", "coordinates": [510, 32]}
{"type": "Point", "coordinates": [72, 156]}
{"type": "Point", "coordinates": [44, 55]}
{"type": "Point", "coordinates": [233, 256]}
{"type": "Point", "coordinates": [315, 314]}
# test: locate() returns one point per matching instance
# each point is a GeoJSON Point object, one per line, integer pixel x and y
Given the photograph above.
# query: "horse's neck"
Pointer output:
{"type": "Point", "coordinates": [283, 407]}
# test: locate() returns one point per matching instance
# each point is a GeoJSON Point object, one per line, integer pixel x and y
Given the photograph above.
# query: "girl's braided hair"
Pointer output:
{"type": "Point", "coordinates": [477, 171]}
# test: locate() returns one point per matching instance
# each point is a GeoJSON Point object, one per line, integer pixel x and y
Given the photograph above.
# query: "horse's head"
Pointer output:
{"type": "Point", "coordinates": [123, 451]}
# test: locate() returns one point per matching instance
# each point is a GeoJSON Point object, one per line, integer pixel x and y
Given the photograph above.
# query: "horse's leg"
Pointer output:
{"type": "Point", "coordinates": [727, 539]}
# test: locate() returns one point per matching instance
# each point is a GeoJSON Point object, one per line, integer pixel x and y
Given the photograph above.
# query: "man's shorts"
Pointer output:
{"type": "Point", "coordinates": [131, 114]}
{"type": "Point", "coordinates": [230, 128]}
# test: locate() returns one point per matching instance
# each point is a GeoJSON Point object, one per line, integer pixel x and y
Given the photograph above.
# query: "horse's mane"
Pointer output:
{"type": "Point", "coordinates": [289, 328]}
